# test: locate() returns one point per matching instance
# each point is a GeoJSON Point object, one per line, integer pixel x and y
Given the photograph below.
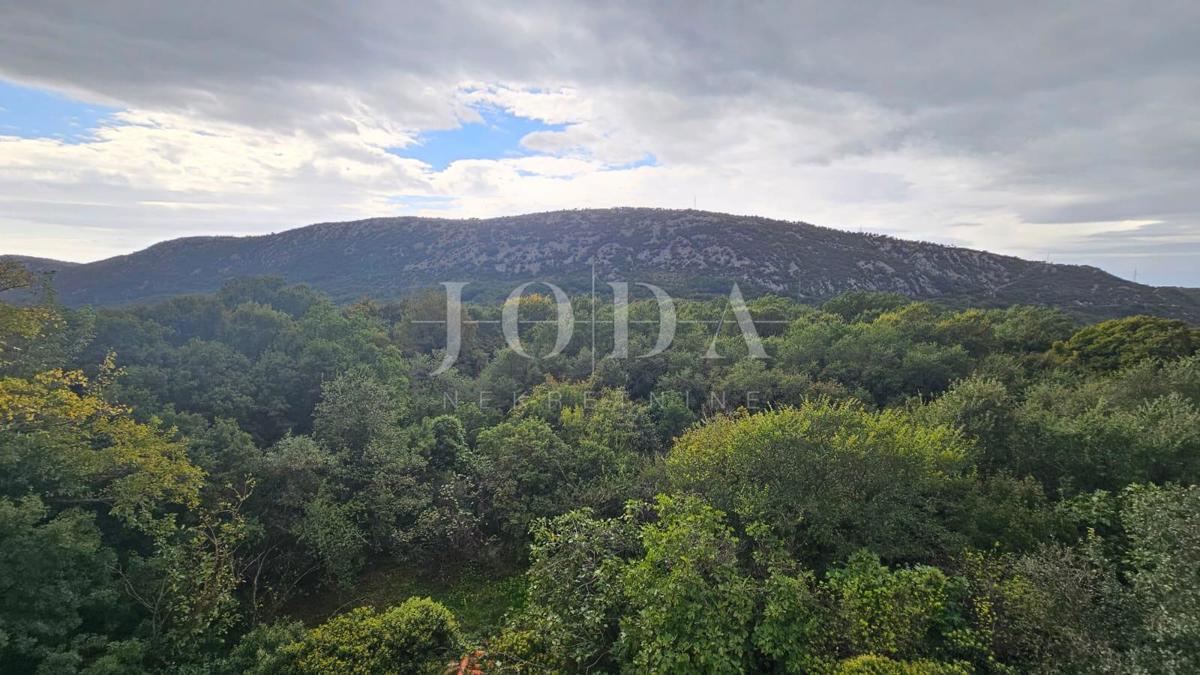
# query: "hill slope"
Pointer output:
{"type": "Point", "coordinates": [685, 251]}
{"type": "Point", "coordinates": [38, 264]}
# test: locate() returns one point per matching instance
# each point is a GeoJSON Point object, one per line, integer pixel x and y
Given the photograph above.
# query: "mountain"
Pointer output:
{"type": "Point", "coordinates": [686, 252]}
{"type": "Point", "coordinates": [38, 264]}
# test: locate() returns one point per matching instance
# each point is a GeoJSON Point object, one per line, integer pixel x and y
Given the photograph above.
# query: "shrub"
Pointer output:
{"type": "Point", "coordinates": [417, 636]}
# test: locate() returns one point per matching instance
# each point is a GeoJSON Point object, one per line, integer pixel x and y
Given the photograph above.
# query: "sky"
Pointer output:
{"type": "Point", "coordinates": [1061, 131]}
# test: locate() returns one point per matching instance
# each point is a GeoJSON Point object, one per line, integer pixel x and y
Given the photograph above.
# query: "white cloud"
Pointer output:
{"type": "Point", "coordinates": [1036, 130]}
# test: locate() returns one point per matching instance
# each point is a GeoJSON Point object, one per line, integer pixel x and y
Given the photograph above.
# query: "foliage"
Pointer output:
{"type": "Point", "coordinates": [796, 631]}
{"type": "Point", "coordinates": [828, 477]}
{"type": "Point", "coordinates": [1119, 343]}
{"type": "Point", "coordinates": [574, 601]}
{"type": "Point", "coordinates": [56, 581]}
{"type": "Point", "coordinates": [886, 612]}
{"type": "Point", "coordinates": [418, 636]}
{"type": "Point", "coordinates": [530, 472]}
{"type": "Point", "coordinates": [690, 607]}
{"type": "Point", "coordinates": [59, 437]}
{"type": "Point", "coordinates": [880, 665]}
{"type": "Point", "coordinates": [900, 488]}
{"type": "Point", "coordinates": [186, 587]}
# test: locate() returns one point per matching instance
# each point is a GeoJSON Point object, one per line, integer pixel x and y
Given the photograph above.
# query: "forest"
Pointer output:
{"type": "Point", "coordinates": [263, 481]}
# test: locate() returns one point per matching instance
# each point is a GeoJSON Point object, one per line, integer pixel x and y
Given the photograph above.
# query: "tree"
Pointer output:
{"type": "Point", "coordinates": [251, 328]}
{"type": "Point", "coordinates": [186, 584]}
{"type": "Point", "coordinates": [449, 442]}
{"type": "Point", "coordinates": [271, 292]}
{"type": "Point", "coordinates": [529, 472]}
{"type": "Point", "coordinates": [983, 408]}
{"type": "Point", "coordinates": [863, 305]}
{"type": "Point", "coordinates": [56, 581]}
{"type": "Point", "coordinates": [828, 478]}
{"type": "Point", "coordinates": [329, 527]}
{"type": "Point", "coordinates": [880, 611]}
{"type": "Point", "coordinates": [1118, 343]}
{"type": "Point", "coordinates": [1077, 439]}
{"type": "Point", "coordinates": [570, 620]}
{"type": "Point", "coordinates": [354, 409]}
{"type": "Point", "coordinates": [209, 378]}
{"type": "Point", "coordinates": [415, 491]}
{"type": "Point", "coordinates": [64, 443]}
{"type": "Point", "coordinates": [263, 650]}
{"type": "Point", "coordinates": [61, 439]}
{"type": "Point", "coordinates": [1124, 599]}
{"type": "Point", "coordinates": [690, 607]}
{"type": "Point", "coordinates": [610, 420]}
{"type": "Point", "coordinates": [750, 383]}
{"type": "Point", "coordinates": [796, 633]}
{"type": "Point", "coordinates": [671, 416]}
{"type": "Point", "coordinates": [417, 636]}
{"type": "Point", "coordinates": [25, 331]}
{"type": "Point", "coordinates": [1162, 559]}
{"type": "Point", "coordinates": [887, 358]}
{"type": "Point", "coordinates": [1032, 329]}
{"type": "Point", "coordinates": [973, 329]}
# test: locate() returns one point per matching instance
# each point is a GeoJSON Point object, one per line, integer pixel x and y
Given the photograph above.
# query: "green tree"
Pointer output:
{"type": "Point", "coordinates": [186, 584]}
{"type": "Point", "coordinates": [983, 408]}
{"type": "Point", "coordinates": [1161, 562]}
{"type": "Point", "coordinates": [1026, 328]}
{"type": "Point", "coordinates": [61, 439]}
{"type": "Point", "coordinates": [264, 650]}
{"type": "Point", "coordinates": [28, 332]}
{"type": "Point", "coordinates": [330, 528]}
{"type": "Point", "coordinates": [354, 409]}
{"type": "Point", "coordinates": [56, 582]}
{"type": "Point", "coordinates": [570, 620]}
{"type": "Point", "coordinates": [1076, 439]}
{"type": "Point", "coordinates": [417, 636]}
{"type": "Point", "coordinates": [1118, 343]}
{"type": "Point", "coordinates": [829, 478]}
{"type": "Point", "coordinates": [863, 305]}
{"type": "Point", "coordinates": [449, 442]}
{"type": "Point", "coordinates": [796, 632]}
{"type": "Point", "coordinates": [690, 606]}
{"type": "Point", "coordinates": [529, 472]}
{"type": "Point", "coordinates": [251, 328]}
{"type": "Point", "coordinates": [880, 611]}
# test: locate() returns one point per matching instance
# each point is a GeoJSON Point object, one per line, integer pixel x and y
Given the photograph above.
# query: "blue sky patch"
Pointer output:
{"type": "Point", "coordinates": [647, 160]}
{"type": "Point", "coordinates": [28, 112]}
{"type": "Point", "coordinates": [414, 203]}
{"type": "Point", "coordinates": [497, 137]}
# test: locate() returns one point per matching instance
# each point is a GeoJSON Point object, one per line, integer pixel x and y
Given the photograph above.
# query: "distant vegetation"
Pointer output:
{"type": "Point", "coordinates": [694, 251]}
{"type": "Point", "coordinates": [263, 481]}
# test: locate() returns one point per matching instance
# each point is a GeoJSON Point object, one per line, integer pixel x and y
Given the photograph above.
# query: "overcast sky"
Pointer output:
{"type": "Point", "coordinates": [1061, 131]}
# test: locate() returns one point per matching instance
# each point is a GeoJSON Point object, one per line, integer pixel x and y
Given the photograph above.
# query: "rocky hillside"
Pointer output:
{"type": "Point", "coordinates": [38, 265]}
{"type": "Point", "coordinates": [688, 252]}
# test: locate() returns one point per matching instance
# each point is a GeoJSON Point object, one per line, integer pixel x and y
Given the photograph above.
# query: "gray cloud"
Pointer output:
{"type": "Point", "coordinates": [913, 117]}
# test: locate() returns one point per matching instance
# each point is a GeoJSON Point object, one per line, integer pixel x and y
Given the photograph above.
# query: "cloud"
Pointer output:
{"type": "Point", "coordinates": [1064, 130]}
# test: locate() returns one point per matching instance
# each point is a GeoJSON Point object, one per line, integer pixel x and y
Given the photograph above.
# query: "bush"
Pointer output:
{"type": "Point", "coordinates": [690, 607]}
{"type": "Point", "coordinates": [829, 478]}
{"type": "Point", "coordinates": [1119, 343]}
{"type": "Point", "coordinates": [879, 665]}
{"type": "Point", "coordinates": [417, 636]}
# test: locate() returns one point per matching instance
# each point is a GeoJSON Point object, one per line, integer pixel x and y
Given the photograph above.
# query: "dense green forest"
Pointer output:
{"type": "Point", "coordinates": [261, 481]}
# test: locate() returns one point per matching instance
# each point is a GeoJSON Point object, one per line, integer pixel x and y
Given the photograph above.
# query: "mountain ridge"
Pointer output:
{"type": "Point", "coordinates": [698, 251]}
{"type": "Point", "coordinates": [36, 264]}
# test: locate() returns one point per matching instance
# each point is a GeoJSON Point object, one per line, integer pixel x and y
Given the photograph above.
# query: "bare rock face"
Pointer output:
{"type": "Point", "coordinates": [688, 252]}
